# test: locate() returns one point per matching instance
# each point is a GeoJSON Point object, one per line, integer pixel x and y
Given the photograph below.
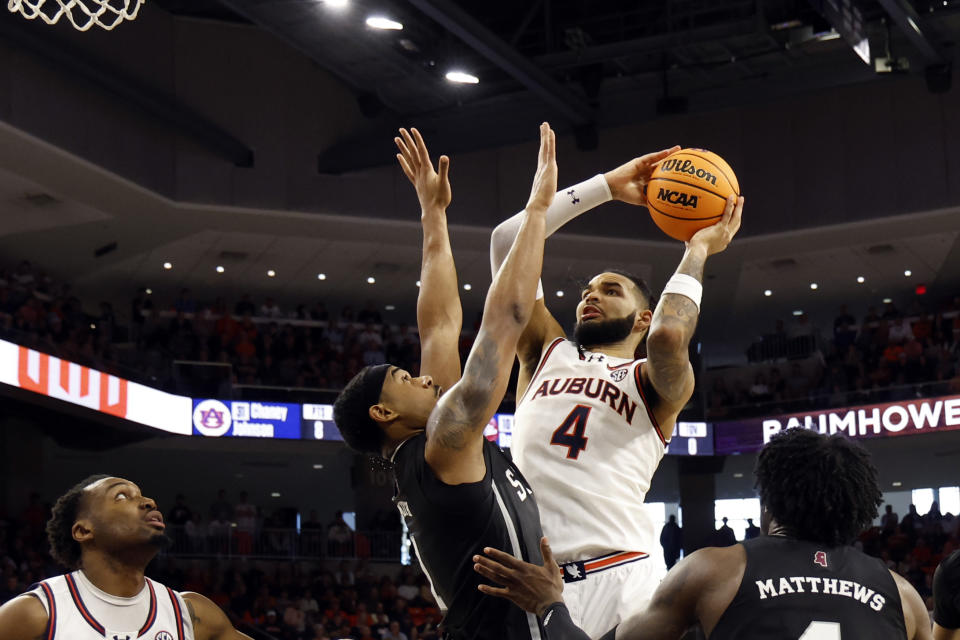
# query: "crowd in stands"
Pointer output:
{"type": "Point", "coordinates": [888, 355]}
{"type": "Point", "coordinates": [308, 347]}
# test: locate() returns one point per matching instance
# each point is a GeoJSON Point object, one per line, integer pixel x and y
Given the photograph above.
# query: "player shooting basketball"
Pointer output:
{"type": "Point", "coordinates": [593, 420]}
{"type": "Point", "coordinates": [802, 580]}
{"type": "Point", "coordinates": [457, 491]}
{"type": "Point", "coordinates": [107, 531]}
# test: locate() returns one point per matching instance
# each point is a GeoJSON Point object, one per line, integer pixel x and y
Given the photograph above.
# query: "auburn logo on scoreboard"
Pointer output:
{"type": "Point", "coordinates": [63, 380]}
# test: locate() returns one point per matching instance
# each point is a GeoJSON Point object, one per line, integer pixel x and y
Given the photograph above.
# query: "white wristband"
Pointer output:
{"type": "Point", "coordinates": [687, 286]}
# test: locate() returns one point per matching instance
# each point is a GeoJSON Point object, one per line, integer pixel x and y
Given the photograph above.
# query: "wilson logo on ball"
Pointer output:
{"type": "Point", "coordinates": [676, 165]}
{"type": "Point", "coordinates": [678, 198]}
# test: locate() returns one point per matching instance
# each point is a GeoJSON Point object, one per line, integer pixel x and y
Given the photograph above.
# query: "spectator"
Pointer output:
{"type": "Point", "coordinates": [245, 306]}
{"type": "Point", "coordinates": [369, 314]}
{"type": "Point", "coordinates": [724, 536]}
{"type": "Point", "coordinates": [889, 520]}
{"type": "Point", "coordinates": [671, 539]}
{"type": "Point", "coordinates": [394, 633]}
{"type": "Point", "coordinates": [246, 516]}
{"type": "Point", "coordinates": [221, 509]}
{"type": "Point", "coordinates": [752, 531]}
{"type": "Point", "coordinates": [270, 309]}
{"type": "Point", "coordinates": [339, 537]}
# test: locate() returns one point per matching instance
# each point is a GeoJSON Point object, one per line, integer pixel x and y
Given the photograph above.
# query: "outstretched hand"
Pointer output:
{"type": "Point", "coordinates": [433, 187]}
{"type": "Point", "coordinates": [628, 182]}
{"type": "Point", "coordinates": [531, 587]}
{"type": "Point", "coordinates": [545, 180]}
{"type": "Point", "coordinates": [717, 237]}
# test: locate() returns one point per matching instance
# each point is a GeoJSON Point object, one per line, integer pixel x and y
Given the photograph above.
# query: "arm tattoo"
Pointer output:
{"type": "Point", "coordinates": [457, 418]}
{"type": "Point", "coordinates": [194, 618]}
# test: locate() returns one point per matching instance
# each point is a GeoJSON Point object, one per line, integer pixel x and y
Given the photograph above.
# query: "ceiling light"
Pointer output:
{"type": "Point", "coordinates": [271, 273]}
{"type": "Point", "coordinates": [461, 77]}
{"type": "Point", "coordinates": [321, 276]}
{"type": "Point", "coordinates": [897, 483]}
{"type": "Point", "coordinates": [861, 279]}
{"type": "Point", "coordinates": [318, 466]}
{"type": "Point", "coordinates": [371, 280]}
{"type": "Point", "coordinates": [167, 266]}
{"type": "Point", "coordinates": [220, 269]}
{"type": "Point", "coordinates": [814, 286]}
{"type": "Point", "coordinates": [379, 22]}
{"type": "Point", "coordinates": [418, 283]}
{"type": "Point", "coordinates": [274, 494]}
{"type": "Point", "coordinates": [767, 292]}
{"type": "Point", "coordinates": [338, 4]}
{"type": "Point", "coordinates": [390, 307]}
{"type": "Point", "coordinates": [908, 273]}
{"type": "Point", "coordinates": [467, 287]}
{"type": "Point", "coordinates": [93, 326]}
{"type": "Point", "coordinates": [887, 300]}
{"type": "Point", "coordinates": [149, 291]}
{"type": "Point", "coordinates": [559, 294]}
{"type": "Point", "coordinates": [798, 312]}
{"type": "Point", "coordinates": [738, 475]}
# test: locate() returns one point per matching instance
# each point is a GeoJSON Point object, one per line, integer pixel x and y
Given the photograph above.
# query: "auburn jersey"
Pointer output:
{"type": "Point", "coordinates": [586, 439]}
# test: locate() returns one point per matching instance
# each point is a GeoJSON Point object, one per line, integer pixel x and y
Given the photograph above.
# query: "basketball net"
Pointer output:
{"type": "Point", "coordinates": [82, 14]}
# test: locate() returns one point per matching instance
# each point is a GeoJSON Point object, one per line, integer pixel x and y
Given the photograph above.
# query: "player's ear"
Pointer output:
{"type": "Point", "coordinates": [643, 320]}
{"type": "Point", "coordinates": [382, 413]}
{"type": "Point", "coordinates": [82, 530]}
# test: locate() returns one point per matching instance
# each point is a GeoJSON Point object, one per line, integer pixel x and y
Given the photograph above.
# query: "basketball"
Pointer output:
{"type": "Point", "coordinates": [688, 192]}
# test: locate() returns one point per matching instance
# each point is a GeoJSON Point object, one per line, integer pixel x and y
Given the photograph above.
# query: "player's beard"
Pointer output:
{"type": "Point", "coordinates": [596, 333]}
{"type": "Point", "coordinates": [161, 541]}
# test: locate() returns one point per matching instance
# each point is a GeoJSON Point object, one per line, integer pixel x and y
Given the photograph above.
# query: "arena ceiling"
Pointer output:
{"type": "Point", "coordinates": [593, 64]}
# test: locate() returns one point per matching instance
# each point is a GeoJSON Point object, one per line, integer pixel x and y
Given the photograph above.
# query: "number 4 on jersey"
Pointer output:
{"type": "Point", "coordinates": [570, 433]}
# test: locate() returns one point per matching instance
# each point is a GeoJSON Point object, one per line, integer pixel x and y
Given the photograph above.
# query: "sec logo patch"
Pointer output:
{"type": "Point", "coordinates": [163, 635]}
{"type": "Point", "coordinates": [618, 374]}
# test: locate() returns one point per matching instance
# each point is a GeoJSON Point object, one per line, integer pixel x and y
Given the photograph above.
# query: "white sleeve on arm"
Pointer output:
{"type": "Point", "coordinates": [567, 205]}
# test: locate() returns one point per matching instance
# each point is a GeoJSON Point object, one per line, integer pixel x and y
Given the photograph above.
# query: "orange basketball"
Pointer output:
{"type": "Point", "coordinates": [688, 192]}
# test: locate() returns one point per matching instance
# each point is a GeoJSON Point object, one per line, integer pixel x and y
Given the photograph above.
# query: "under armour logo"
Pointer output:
{"type": "Point", "coordinates": [573, 197]}
{"type": "Point", "coordinates": [820, 558]}
{"type": "Point", "coordinates": [594, 357]}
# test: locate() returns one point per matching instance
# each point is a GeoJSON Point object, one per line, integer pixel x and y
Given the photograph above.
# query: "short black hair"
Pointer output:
{"type": "Point", "coordinates": [63, 547]}
{"type": "Point", "coordinates": [820, 488]}
{"type": "Point", "coordinates": [351, 412]}
{"type": "Point", "coordinates": [640, 284]}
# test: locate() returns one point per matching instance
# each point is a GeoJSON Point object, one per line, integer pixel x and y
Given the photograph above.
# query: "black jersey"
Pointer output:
{"type": "Point", "coordinates": [796, 590]}
{"type": "Point", "coordinates": [946, 592]}
{"type": "Point", "coordinates": [449, 524]}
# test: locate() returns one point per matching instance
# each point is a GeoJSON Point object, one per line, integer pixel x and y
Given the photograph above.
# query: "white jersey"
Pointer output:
{"type": "Point", "coordinates": [78, 610]}
{"type": "Point", "coordinates": [588, 443]}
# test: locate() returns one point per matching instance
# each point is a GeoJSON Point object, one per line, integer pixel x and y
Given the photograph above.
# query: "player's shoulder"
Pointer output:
{"type": "Point", "coordinates": [711, 565]}
{"type": "Point", "coordinates": [24, 618]}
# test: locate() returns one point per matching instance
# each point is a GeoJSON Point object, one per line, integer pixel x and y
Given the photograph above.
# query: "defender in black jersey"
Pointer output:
{"type": "Point", "coordinates": [457, 492]}
{"type": "Point", "coordinates": [946, 598]}
{"type": "Point", "coordinates": [801, 581]}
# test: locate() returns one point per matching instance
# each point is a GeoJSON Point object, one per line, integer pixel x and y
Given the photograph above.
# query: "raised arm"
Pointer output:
{"type": "Point", "coordinates": [667, 372]}
{"type": "Point", "coordinates": [627, 183]}
{"type": "Point", "coordinates": [454, 448]}
{"type": "Point", "coordinates": [439, 315]}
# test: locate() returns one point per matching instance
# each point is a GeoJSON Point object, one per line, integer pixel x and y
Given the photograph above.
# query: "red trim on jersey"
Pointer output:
{"type": "Point", "coordinates": [617, 558]}
{"type": "Point", "coordinates": [620, 366]}
{"type": "Point", "coordinates": [543, 362]}
{"type": "Point", "coordinates": [152, 615]}
{"type": "Point", "coordinates": [639, 380]}
{"type": "Point", "coordinates": [178, 613]}
{"type": "Point", "coordinates": [52, 606]}
{"type": "Point", "coordinates": [78, 601]}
